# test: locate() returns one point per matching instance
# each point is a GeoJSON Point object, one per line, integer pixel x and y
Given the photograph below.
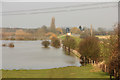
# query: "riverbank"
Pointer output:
{"type": "Point", "coordinates": [87, 71]}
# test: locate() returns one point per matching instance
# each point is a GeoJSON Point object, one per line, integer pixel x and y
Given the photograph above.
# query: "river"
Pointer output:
{"type": "Point", "coordinates": [32, 55]}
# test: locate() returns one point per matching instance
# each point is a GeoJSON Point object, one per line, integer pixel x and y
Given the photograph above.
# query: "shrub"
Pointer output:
{"type": "Point", "coordinates": [55, 42]}
{"type": "Point", "coordinates": [45, 43]}
{"type": "Point", "coordinates": [3, 44]}
{"type": "Point", "coordinates": [11, 45]}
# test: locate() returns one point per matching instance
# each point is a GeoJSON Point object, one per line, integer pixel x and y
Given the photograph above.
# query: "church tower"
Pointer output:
{"type": "Point", "coordinates": [52, 27]}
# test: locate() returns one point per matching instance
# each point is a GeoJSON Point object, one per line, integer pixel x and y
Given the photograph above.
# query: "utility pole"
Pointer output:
{"type": "Point", "coordinates": [91, 31]}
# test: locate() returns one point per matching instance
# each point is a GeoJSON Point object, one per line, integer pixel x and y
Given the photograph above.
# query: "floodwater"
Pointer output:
{"type": "Point", "coordinates": [32, 55]}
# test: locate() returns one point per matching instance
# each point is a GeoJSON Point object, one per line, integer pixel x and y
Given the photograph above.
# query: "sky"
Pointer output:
{"type": "Point", "coordinates": [98, 17]}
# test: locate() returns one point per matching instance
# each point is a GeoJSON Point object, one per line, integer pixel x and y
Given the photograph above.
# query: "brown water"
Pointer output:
{"type": "Point", "coordinates": [32, 55]}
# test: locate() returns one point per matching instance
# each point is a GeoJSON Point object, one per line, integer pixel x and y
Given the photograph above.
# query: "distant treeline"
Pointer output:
{"type": "Point", "coordinates": [45, 32]}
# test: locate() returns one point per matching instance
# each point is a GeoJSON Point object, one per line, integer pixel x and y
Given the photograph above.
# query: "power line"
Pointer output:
{"type": "Point", "coordinates": [62, 10]}
{"type": "Point", "coordinates": [72, 10]}
{"type": "Point", "coordinates": [83, 5]}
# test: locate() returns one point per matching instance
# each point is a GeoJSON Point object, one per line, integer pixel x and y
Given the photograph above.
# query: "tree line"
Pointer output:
{"type": "Point", "coordinates": [94, 50]}
{"type": "Point", "coordinates": [39, 33]}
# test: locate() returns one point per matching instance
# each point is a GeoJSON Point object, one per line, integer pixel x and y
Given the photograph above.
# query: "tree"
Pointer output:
{"type": "Point", "coordinates": [20, 34]}
{"type": "Point", "coordinates": [85, 33]}
{"type": "Point", "coordinates": [75, 30]}
{"type": "Point", "coordinates": [64, 30]}
{"type": "Point", "coordinates": [101, 31]}
{"type": "Point", "coordinates": [45, 43]}
{"type": "Point", "coordinates": [69, 42]}
{"type": "Point", "coordinates": [59, 30]}
{"type": "Point", "coordinates": [44, 28]}
{"type": "Point", "coordinates": [114, 58]}
{"type": "Point", "coordinates": [55, 42]}
{"type": "Point", "coordinates": [89, 48]}
{"type": "Point", "coordinates": [40, 33]}
{"type": "Point", "coordinates": [50, 35]}
{"type": "Point", "coordinates": [110, 53]}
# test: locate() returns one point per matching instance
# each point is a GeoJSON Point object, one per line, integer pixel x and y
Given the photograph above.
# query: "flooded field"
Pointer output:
{"type": "Point", "coordinates": [32, 55]}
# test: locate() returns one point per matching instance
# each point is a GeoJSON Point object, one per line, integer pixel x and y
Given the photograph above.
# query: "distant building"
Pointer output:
{"type": "Point", "coordinates": [52, 27]}
{"type": "Point", "coordinates": [68, 33]}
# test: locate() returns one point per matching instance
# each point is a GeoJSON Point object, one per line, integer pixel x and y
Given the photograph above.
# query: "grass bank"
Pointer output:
{"type": "Point", "coordinates": [77, 38]}
{"type": "Point", "coordinates": [66, 72]}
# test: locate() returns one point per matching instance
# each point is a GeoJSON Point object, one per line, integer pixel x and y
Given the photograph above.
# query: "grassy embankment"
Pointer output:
{"type": "Point", "coordinates": [66, 72]}
{"type": "Point", "coordinates": [77, 38]}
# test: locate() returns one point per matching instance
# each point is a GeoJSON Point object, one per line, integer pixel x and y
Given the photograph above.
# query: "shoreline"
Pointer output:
{"type": "Point", "coordinates": [35, 69]}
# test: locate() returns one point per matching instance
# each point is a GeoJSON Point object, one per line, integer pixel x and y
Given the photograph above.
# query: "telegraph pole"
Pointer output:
{"type": "Point", "coordinates": [91, 31]}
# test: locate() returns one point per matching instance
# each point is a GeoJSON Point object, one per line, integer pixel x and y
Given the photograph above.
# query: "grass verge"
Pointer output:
{"type": "Point", "coordinates": [65, 72]}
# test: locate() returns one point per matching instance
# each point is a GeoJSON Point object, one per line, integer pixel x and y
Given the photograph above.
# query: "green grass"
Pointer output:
{"type": "Point", "coordinates": [62, 37]}
{"type": "Point", "coordinates": [65, 72]}
{"type": "Point", "coordinates": [77, 38]}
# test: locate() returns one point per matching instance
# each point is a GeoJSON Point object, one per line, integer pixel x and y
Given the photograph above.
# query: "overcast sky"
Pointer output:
{"type": "Point", "coordinates": [99, 17]}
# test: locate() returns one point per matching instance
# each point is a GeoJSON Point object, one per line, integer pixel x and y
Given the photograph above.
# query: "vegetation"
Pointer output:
{"type": "Point", "coordinates": [89, 49]}
{"type": "Point", "coordinates": [104, 50]}
{"type": "Point", "coordinates": [3, 44]}
{"type": "Point", "coordinates": [59, 30]}
{"type": "Point", "coordinates": [50, 35]}
{"type": "Point", "coordinates": [110, 54]}
{"type": "Point", "coordinates": [112, 50]}
{"type": "Point", "coordinates": [113, 58]}
{"type": "Point", "coordinates": [77, 39]}
{"type": "Point", "coordinates": [75, 30]}
{"type": "Point", "coordinates": [45, 43]}
{"type": "Point", "coordinates": [55, 42]}
{"type": "Point", "coordinates": [69, 42]}
{"type": "Point", "coordinates": [11, 45]}
{"type": "Point", "coordinates": [39, 33]}
{"type": "Point", "coordinates": [62, 37]}
{"type": "Point", "coordinates": [87, 71]}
